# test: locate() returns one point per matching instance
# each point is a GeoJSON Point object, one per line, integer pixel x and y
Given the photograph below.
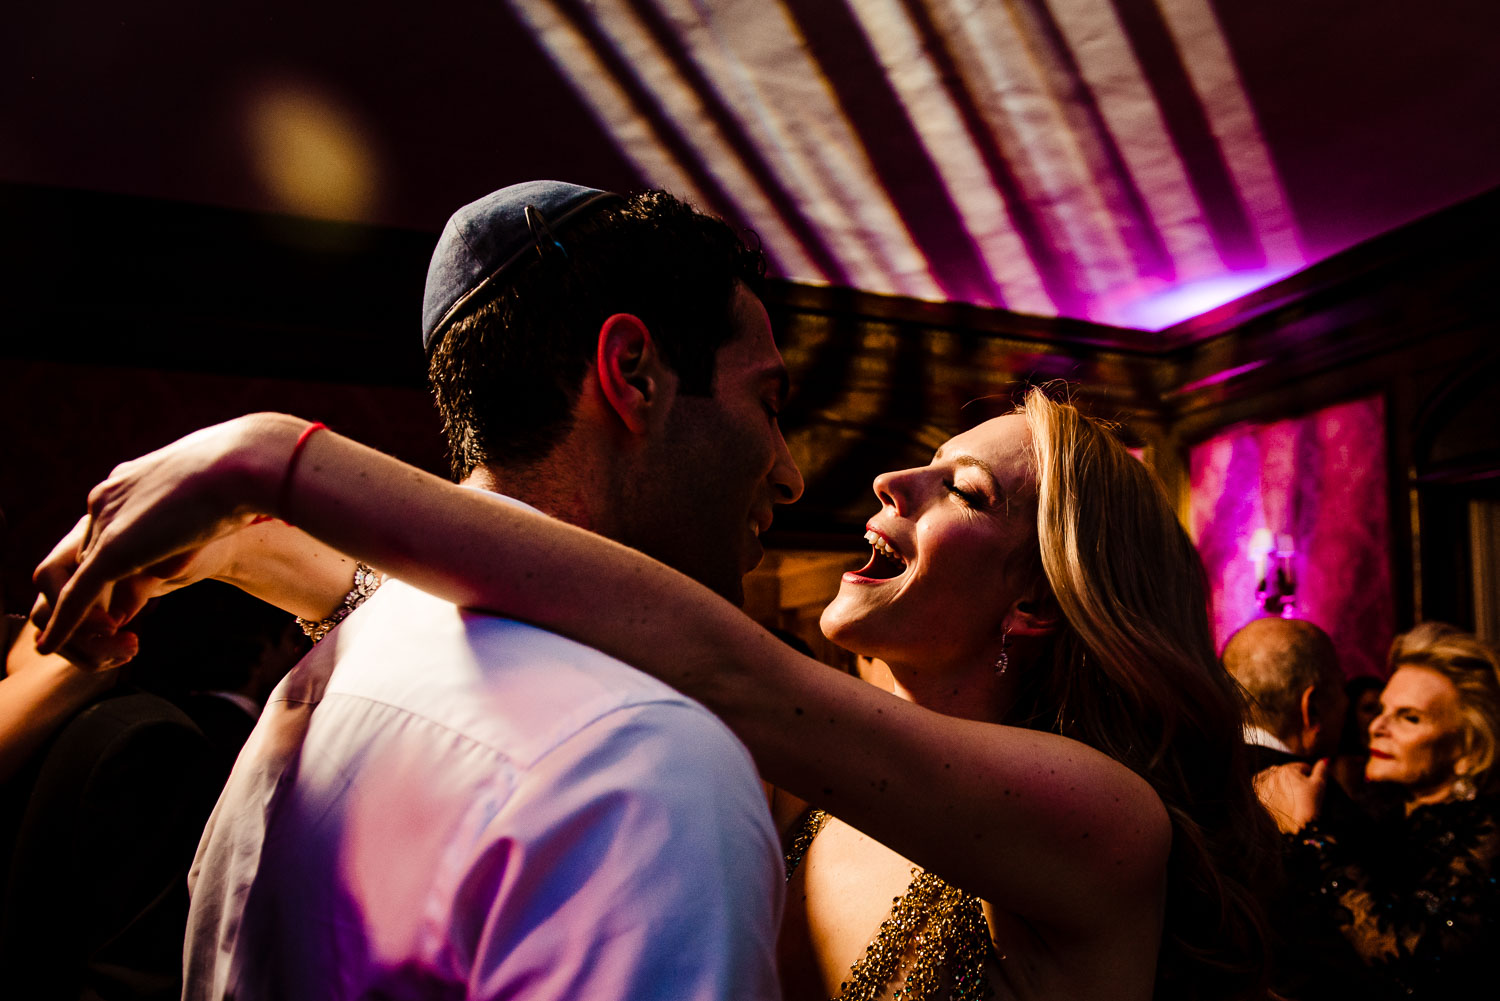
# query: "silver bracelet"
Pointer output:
{"type": "Point", "coordinates": [367, 581]}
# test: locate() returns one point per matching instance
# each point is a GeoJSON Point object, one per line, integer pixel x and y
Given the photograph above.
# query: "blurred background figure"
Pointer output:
{"type": "Point", "coordinates": [215, 652]}
{"type": "Point", "coordinates": [1362, 695]}
{"type": "Point", "coordinates": [106, 780]}
{"type": "Point", "coordinates": [1289, 669]}
{"type": "Point", "coordinates": [36, 694]}
{"type": "Point", "coordinates": [1435, 737]}
{"type": "Point", "coordinates": [1413, 893]}
{"type": "Point", "coordinates": [1294, 688]}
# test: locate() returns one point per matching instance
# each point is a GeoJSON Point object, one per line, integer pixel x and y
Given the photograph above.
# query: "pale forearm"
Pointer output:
{"type": "Point", "coordinates": [37, 695]}
{"type": "Point", "coordinates": [923, 784]}
{"type": "Point", "coordinates": [287, 568]}
{"type": "Point", "coordinates": [817, 732]}
{"type": "Point", "coordinates": [476, 550]}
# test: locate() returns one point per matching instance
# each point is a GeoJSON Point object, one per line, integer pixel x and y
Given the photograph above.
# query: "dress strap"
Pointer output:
{"type": "Point", "coordinates": [807, 827]}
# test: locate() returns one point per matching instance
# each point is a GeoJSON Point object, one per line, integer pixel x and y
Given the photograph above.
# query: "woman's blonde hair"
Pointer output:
{"type": "Point", "coordinates": [1474, 668]}
{"type": "Point", "coordinates": [1135, 675]}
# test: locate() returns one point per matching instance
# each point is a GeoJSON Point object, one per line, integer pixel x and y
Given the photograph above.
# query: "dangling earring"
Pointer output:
{"type": "Point", "coordinates": [1463, 788]}
{"type": "Point", "coordinates": [1003, 661]}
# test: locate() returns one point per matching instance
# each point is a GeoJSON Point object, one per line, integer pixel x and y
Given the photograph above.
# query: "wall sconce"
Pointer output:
{"type": "Point", "coordinates": [1275, 573]}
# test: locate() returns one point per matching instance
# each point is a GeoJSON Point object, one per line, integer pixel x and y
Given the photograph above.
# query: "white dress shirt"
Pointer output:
{"type": "Point", "coordinates": [442, 804]}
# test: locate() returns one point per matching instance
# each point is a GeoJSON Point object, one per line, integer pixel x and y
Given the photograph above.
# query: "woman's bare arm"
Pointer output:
{"type": "Point", "coordinates": [288, 568]}
{"type": "Point", "coordinates": [39, 693]}
{"type": "Point", "coordinates": [269, 559]}
{"type": "Point", "coordinates": [1041, 825]}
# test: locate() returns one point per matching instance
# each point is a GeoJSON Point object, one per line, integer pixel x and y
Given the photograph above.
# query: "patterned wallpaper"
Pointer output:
{"type": "Point", "coordinates": [1319, 481]}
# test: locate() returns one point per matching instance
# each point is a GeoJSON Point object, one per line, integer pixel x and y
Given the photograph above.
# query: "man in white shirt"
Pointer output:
{"type": "Point", "coordinates": [442, 804]}
{"type": "Point", "coordinates": [1290, 671]}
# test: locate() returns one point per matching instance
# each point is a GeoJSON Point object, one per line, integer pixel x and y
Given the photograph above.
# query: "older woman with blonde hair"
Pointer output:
{"type": "Point", "coordinates": [1048, 800]}
{"type": "Point", "coordinates": [1448, 753]}
{"type": "Point", "coordinates": [1413, 895]}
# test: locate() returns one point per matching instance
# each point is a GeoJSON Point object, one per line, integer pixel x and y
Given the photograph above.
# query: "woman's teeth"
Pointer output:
{"type": "Point", "coordinates": [883, 548]}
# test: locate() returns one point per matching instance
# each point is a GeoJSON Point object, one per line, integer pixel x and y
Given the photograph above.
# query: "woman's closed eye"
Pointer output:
{"type": "Point", "coordinates": [969, 497]}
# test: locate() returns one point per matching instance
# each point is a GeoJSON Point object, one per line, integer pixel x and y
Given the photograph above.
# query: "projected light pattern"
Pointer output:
{"type": "Point", "coordinates": [1319, 480]}
{"type": "Point", "coordinates": [1055, 157]}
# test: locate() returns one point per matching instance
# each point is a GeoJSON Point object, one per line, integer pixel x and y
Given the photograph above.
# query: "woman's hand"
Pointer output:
{"type": "Point", "coordinates": [150, 525]}
{"type": "Point", "coordinates": [99, 656]}
{"type": "Point", "coordinates": [1293, 793]}
{"type": "Point", "coordinates": [99, 640]}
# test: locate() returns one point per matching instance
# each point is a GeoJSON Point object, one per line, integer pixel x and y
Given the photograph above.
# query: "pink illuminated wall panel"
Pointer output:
{"type": "Point", "coordinates": [1319, 481]}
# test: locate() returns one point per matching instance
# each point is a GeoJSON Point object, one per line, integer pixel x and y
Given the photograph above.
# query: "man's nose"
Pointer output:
{"type": "Point", "coordinates": [786, 478]}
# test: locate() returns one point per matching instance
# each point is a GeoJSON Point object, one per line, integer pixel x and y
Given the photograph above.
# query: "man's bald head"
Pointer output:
{"type": "Point", "coordinates": [1290, 670]}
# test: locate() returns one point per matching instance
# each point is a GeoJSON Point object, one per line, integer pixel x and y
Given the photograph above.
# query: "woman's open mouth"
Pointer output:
{"type": "Point", "coordinates": [885, 562]}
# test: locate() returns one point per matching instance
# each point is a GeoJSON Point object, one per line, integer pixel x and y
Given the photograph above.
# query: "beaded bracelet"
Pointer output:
{"type": "Point", "coordinates": [367, 581]}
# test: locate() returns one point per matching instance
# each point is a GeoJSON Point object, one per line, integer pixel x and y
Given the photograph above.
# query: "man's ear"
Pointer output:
{"type": "Point", "coordinates": [629, 369]}
{"type": "Point", "coordinates": [1312, 713]}
{"type": "Point", "coordinates": [1314, 717]}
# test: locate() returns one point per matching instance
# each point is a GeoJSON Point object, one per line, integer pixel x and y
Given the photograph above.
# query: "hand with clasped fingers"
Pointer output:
{"type": "Point", "coordinates": [98, 638]}
{"type": "Point", "coordinates": [184, 513]}
{"type": "Point", "coordinates": [1293, 793]}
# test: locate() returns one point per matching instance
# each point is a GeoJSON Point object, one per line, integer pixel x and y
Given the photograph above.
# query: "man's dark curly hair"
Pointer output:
{"type": "Point", "coordinates": [507, 373]}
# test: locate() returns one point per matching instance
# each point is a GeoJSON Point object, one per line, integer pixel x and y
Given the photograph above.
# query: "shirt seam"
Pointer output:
{"type": "Point", "coordinates": [680, 702]}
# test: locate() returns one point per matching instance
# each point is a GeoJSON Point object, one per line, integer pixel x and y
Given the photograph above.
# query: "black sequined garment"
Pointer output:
{"type": "Point", "coordinates": [1413, 898]}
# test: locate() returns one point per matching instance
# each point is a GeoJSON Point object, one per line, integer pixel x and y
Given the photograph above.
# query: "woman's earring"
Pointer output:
{"type": "Point", "coordinates": [1003, 661]}
{"type": "Point", "coordinates": [1463, 788]}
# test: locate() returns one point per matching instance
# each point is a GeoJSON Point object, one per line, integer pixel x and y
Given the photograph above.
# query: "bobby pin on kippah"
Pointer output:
{"type": "Point", "coordinates": [367, 581]}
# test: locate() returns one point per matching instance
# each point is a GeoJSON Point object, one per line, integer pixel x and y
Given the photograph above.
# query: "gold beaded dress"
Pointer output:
{"type": "Point", "coordinates": [934, 945]}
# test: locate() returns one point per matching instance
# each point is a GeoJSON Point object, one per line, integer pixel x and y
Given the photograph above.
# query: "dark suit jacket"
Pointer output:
{"type": "Point", "coordinates": [95, 896]}
{"type": "Point", "coordinates": [1262, 758]}
{"type": "Point", "coordinates": [1313, 962]}
{"type": "Point", "coordinates": [226, 725]}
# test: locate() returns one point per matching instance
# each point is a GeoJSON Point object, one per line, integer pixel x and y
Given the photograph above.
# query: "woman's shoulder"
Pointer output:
{"type": "Point", "coordinates": [1091, 796]}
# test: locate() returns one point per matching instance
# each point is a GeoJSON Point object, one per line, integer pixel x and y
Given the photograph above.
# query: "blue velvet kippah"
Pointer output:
{"type": "Point", "coordinates": [489, 237]}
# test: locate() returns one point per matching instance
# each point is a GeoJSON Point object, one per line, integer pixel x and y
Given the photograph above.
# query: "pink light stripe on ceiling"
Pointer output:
{"type": "Point", "coordinates": [1124, 161]}
{"type": "Point", "coordinates": [1053, 158]}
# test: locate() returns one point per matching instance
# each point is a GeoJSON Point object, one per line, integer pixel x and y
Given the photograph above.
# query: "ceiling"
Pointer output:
{"type": "Point", "coordinates": [1130, 162]}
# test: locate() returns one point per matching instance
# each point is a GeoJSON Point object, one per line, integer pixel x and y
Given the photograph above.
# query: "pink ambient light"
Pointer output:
{"type": "Point", "coordinates": [1320, 480]}
{"type": "Point", "coordinates": [1159, 310]}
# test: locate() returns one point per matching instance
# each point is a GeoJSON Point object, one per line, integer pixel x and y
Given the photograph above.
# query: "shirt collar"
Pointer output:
{"type": "Point", "coordinates": [1260, 737]}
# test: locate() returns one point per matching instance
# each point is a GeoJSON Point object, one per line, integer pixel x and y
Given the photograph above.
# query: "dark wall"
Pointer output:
{"type": "Point", "coordinates": [130, 322]}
